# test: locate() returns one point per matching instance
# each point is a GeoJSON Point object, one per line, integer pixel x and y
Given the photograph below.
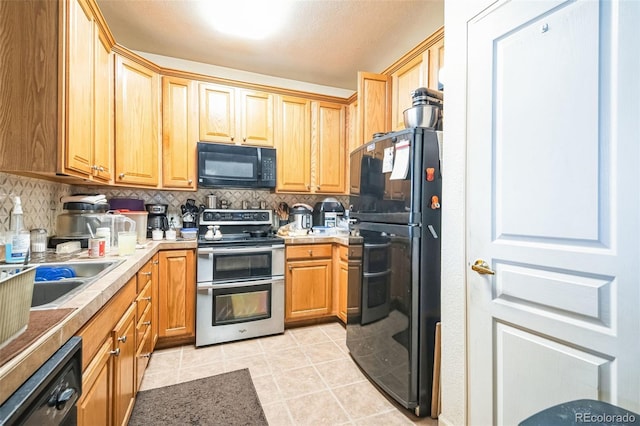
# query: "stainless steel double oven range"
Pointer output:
{"type": "Point", "coordinates": [240, 278]}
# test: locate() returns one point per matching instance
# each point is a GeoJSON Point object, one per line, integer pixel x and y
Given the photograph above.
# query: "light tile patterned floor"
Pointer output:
{"type": "Point", "coordinates": [303, 377]}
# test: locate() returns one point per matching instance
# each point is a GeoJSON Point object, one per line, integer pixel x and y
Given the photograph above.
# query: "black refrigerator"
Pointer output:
{"type": "Point", "coordinates": [393, 300]}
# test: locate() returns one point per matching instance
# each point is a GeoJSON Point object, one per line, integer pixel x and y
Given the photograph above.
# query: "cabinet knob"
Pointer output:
{"type": "Point", "coordinates": [116, 352]}
{"type": "Point", "coordinates": [318, 187]}
{"type": "Point", "coordinates": [308, 186]}
{"type": "Point", "coordinates": [100, 169]}
{"type": "Point", "coordinates": [155, 262]}
{"type": "Point", "coordinates": [148, 299]}
{"type": "Point", "coordinates": [232, 138]}
{"type": "Point", "coordinates": [121, 175]}
{"type": "Point", "coordinates": [122, 339]}
{"type": "Point", "coordinates": [290, 268]}
{"type": "Point", "coordinates": [94, 167]}
{"type": "Point", "coordinates": [244, 139]}
{"type": "Point", "coordinates": [145, 273]}
{"type": "Point", "coordinates": [145, 356]}
{"type": "Point", "coordinates": [146, 323]}
{"type": "Point", "coordinates": [190, 181]}
{"type": "Point", "coordinates": [311, 253]}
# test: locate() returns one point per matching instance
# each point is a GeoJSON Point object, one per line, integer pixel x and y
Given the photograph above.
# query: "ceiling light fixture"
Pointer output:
{"type": "Point", "coordinates": [253, 19]}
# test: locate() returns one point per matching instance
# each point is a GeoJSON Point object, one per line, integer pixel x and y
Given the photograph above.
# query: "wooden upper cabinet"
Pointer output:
{"type": "Point", "coordinates": [79, 88]}
{"type": "Point", "coordinates": [178, 133]}
{"type": "Point", "coordinates": [293, 144]}
{"type": "Point", "coordinates": [374, 93]}
{"type": "Point", "coordinates": [239, 116]}
{"type": "Point", "coordinates": [255, 110]}
{"type": "Point", "coordinates": [330, 148]}
{"type": "Point", "coordinates": [136, 144]}
{"type": "Point", "coordinates": [104, 106]}
{"type": "Point", "coordinates": [217, 113]}
{"type": "Point", "coordinates": [405, 80]}
{"type": "Point", "coordinates": [436, 63]}
{"type": "Point", "coordinates": [88, 147]}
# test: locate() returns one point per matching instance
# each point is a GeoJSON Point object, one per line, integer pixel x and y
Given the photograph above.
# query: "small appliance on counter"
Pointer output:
{"type": "Point", "coordinates": [157, 218]}
{"type": "Point", "coordinates": [131, 204]}
{"type": "Point", "coordinates": [328, 213]}
{"type": "Point", "coordinates": [190, 213]}
{"type": "Point", "coordinates": [81, 212]}
{"type": "Point", "coordinates": [301, 214]}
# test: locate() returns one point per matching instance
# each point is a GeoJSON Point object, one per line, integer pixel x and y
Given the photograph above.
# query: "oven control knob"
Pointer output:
{"type": "Point", "coordinates": [217, 216]}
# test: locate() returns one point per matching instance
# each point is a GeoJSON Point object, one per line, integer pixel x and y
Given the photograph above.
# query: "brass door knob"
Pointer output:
{"type": "Point", "coordinates": [481, 267]}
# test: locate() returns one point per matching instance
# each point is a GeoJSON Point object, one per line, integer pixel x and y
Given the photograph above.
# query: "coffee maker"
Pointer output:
{"type": "Point", "coordinates": [157, 217]}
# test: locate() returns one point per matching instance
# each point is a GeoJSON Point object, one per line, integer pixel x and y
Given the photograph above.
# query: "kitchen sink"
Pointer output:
{"type": "Point", "coordinates": [57, 282]}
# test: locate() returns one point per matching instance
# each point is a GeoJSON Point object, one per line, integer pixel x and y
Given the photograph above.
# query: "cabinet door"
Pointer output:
{"type": "Point", "coordinates": [178, 133]}
{"type": "Point", "coordinates": [436, 63]}
{"type": "Point", "coordinates": [343, 282]}
{"type": "Point", "coordinates": [79, 88]}
{"type": "Point", "coordinates": [177, 293]}
{"type": "Point", "coordinates": [330, 150]}
{"type": "Point", "coordinates": [124, 341]}
{"type": "Point", "coordinates": [293, 135]}
{"type": "Point", "coordinates": [373, 105]}
{"type": "Point", "coordinates": [136, 118]}
{"type": "Point", "coordinates": [308, 289]}
{"type": "Point", "coordinates": [406, 79]}
{"type": "Point", "coordinates": [103, 103]}
{"type": "Point", "coordinates": [155, 300]}
{"type": "Point", "coordinates": [255, 110]}
{"type": "Point", "coordinates": [95, 405]}
{"type": "Point", "coordinates": [217, 113]}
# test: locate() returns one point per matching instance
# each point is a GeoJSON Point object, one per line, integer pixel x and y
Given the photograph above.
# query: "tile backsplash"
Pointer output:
{"type": "Point", "coordinates": [41, 198]}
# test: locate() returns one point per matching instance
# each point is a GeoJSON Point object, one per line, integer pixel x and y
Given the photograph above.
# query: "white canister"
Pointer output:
{"type": "Point", "coordinates": [157, 234]}
{"type": "Point", "coordinates": [170, 234]}
{"type": "Point", "coordinates": [106, 234]}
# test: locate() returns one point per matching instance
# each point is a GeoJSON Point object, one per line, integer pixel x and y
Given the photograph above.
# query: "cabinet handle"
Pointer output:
{"type": "Point", "coordinates": [155, 262]}
{"type": "Point", "coordinates": [122, 339]}
{"type": "Point", "coordinates": [145, 273]}
{"type": "Point", "coordinates": [94, 167]}
{"type": "Point", "coordinates": [290, 268]}
{"type": "Point", "coordinates": [100, 169]}
{"type": "Point", "coordinates": [190, 181]}
{"type": "Point", "coordinates": [148, 299]}
{"type": "Point", "coordinates": [308, 186]}
{"type": "Point", "coordinates": [121, 175]}
{"type": "Point", "coordinates": [310, 253]}
{"type": "Point", "coordinates": [146, 323]}
{"type": "Point", "coordinates": [145, 356]}
{"type": "Point", "coordinates": [116, 352]}
{"type": "Point", "coordinates": [232, 138]}
{"type": "Point", "coordinates": [244, 139]}
{"type": "Point", "coordinates": [318, 187]}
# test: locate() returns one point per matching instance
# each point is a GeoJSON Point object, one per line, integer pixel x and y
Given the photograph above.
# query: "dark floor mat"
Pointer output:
{"type": "Point", "coordinates": [225, 399]}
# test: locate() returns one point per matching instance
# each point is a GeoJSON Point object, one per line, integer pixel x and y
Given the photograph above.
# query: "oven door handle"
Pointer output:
{"type": "Point", "coordinates": [224, 250]}
{"type": "Point", "coordinates": [376, 274]}
{"type": "Point", "coordinates": [235, 284]}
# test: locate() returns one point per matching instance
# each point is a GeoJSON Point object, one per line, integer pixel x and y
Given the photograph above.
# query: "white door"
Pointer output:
{"type": "Point", "coordinates": [553, 142]}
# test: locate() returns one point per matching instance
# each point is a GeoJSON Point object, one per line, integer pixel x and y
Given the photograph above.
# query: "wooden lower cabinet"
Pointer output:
{"type": "Point", "coordinates": [124, 339]}
{"type": "Point", "coordinates": [308, 282]}
{"type": "Point", "coordinates": [117, 343]}
{"type": "Point", "coordinates": [95, 405]}
{"type": "Point", "coordinates": [177, 298]}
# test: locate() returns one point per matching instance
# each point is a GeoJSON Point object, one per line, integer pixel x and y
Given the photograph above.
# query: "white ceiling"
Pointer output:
{"type": "Point", "coordinates": [325, 42]}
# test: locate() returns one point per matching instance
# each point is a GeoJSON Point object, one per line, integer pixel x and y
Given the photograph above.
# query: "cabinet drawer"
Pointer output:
{"type": "Point", "coordinates": [144, 276]}
{"type": "Point", "coordinates": [143, 325]}
{"type": "Point", "coordinates": [143, 300]}
{"type": "Point", "coordinates": [309, 251]}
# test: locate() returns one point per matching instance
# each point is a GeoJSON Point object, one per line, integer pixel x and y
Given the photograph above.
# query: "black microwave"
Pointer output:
{"type": "Point", "coordinates": [235, 166]}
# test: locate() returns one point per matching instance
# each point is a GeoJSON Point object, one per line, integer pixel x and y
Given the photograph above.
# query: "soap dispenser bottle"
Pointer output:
{"type": "Point", "coordinates": [18, 239]}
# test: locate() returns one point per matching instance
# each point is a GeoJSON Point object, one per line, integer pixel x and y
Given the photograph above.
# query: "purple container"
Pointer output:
{"type": "Point", "coordinates": [131, 204]}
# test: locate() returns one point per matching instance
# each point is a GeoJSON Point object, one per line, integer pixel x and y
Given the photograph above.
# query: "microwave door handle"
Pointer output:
{"type": "Point", "coordinates": [259, 165]}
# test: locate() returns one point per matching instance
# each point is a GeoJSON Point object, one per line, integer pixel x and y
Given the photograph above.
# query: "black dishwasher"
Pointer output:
{"type": "Point", "coordinates": [49, 396]}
